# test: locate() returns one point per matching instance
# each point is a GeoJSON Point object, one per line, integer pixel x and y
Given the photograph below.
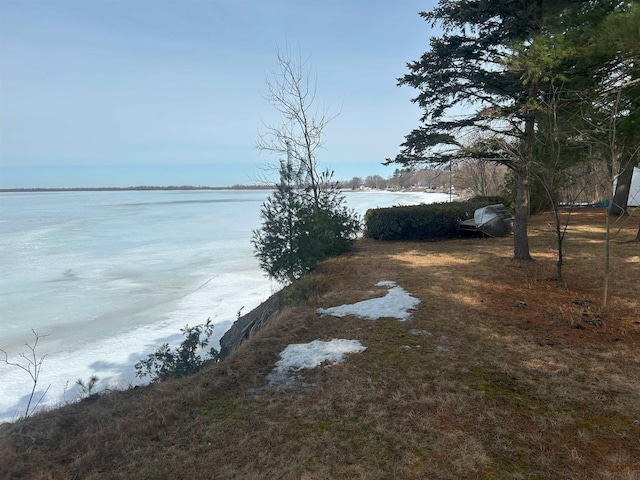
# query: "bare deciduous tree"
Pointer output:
{"type": "Point", "coordinates": [32, 365]}
{"type": "Point", "coordinates": [300, 133]}
{"type": "Point", "coordinates": [481, 176]}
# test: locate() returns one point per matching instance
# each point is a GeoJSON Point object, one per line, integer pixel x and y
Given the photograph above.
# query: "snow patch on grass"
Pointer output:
{"type": "Point", "coordinates": [301, 356]}
{"type": "Point", "coordinates": [396, 304]}
{"type": "Point", "coordinates": [310, 355]}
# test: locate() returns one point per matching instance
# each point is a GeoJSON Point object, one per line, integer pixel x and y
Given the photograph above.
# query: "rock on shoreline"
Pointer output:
{"type": "Point", "coordinates": [247, 325]}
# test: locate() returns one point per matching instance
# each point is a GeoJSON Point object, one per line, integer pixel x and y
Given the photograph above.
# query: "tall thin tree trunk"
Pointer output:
{"type": "Point", "coordinates": [559, 240]}
{"type": "Point", "coordinates": [520, 236]}
{"type": "Point", "coordinates": [605, 289]}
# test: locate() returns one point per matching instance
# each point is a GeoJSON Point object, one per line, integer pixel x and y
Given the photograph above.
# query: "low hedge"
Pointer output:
{"type": "Point", "coordinates": [423, 222]}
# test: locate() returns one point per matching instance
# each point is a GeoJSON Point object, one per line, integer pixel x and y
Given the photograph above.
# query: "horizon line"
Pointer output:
{"type": "Point", "coordinates": [135, 188]}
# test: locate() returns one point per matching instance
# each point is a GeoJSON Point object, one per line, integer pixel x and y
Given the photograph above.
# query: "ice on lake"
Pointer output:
{"type": "Point", "coordinates": [104, 278]}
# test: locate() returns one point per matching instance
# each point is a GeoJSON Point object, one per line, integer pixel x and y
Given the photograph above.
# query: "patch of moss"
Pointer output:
{"type": "Point", "coordinates": [613, 424]}
{"type": "Point", "coordinates": [396, 348]}
{"type": "Point", "coordinates": [220, 410]}
{"type": "Point", "coordinates": [500, 387]}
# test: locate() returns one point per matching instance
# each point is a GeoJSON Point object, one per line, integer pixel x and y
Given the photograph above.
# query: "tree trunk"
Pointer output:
{"type": "Point", "coordinates": [607, 253]}
{"type": "Point", "coordinates": [637, 239]}
{"type": "Point", "coordinates": [520, 236]}
{"type": "Point", "coordinates": [619, 204]}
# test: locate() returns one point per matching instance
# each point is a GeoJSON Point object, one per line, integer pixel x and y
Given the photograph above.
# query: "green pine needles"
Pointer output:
{"type": "Point", "coordinates": [301, 228]}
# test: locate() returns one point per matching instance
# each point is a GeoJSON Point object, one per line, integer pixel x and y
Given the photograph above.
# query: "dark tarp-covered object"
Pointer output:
{"type": "Point", "coordinates": [492, 221]}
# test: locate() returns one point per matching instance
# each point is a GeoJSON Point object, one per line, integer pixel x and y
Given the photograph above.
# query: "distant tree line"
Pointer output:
{"type": "Point", "coordinates": [470, 177]}
{"type": "Point", "coordinates": [586, 183]}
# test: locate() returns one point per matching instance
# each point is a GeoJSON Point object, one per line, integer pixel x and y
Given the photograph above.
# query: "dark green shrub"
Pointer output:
{"type": "Point", "coordinates": [166, 363]}
{"type": "Point", "coordinates": [422, 222]}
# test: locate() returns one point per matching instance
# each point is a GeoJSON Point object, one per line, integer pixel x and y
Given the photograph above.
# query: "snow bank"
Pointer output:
{"type": "Point", "coordinates": [396, 303]}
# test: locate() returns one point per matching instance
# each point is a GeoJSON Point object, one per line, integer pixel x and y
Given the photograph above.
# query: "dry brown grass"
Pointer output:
{"type": "Point", "coordinates": [500, 373]}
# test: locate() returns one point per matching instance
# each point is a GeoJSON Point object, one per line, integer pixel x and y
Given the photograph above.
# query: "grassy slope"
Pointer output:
{"type": "Point", "coordinates": [500, 374]}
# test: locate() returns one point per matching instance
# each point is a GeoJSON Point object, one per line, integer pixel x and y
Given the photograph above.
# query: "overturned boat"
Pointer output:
{"type": "Point", "coordinates": [492, 221]}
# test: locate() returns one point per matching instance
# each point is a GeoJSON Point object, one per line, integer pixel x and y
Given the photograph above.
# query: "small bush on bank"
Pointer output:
{"type": "Point", "coordinates": [423, 222]}
{"type": "Point", "coordinates": [87, 388]}
{"type": "Point", "coordinates": [166, 363]}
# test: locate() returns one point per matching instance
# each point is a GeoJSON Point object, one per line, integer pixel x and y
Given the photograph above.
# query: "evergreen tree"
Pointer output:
{"type": "Point", "coordinates": [276, 243]}
{"type": "Point", "coordinates": [468, 66]}
{"type": "Point", "coordinates": [301, 227]}
{"type": "Point", "coordinates": [616, 44]}
{"type": "Point", "coordinates": [305, 220]}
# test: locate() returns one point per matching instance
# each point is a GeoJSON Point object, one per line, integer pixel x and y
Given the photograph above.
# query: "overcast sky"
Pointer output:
{"type": "Point", "coordinates": [170, 92]}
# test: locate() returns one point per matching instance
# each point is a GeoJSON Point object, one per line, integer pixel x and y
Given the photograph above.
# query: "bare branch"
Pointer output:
{"type": "Point", "coordinates": [300, 133]}
{"type": "Point", "coordinates": [32, 366]}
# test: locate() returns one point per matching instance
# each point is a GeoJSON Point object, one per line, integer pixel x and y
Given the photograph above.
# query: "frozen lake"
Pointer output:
{"type": "Point", "coordinates": [104, 278]}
